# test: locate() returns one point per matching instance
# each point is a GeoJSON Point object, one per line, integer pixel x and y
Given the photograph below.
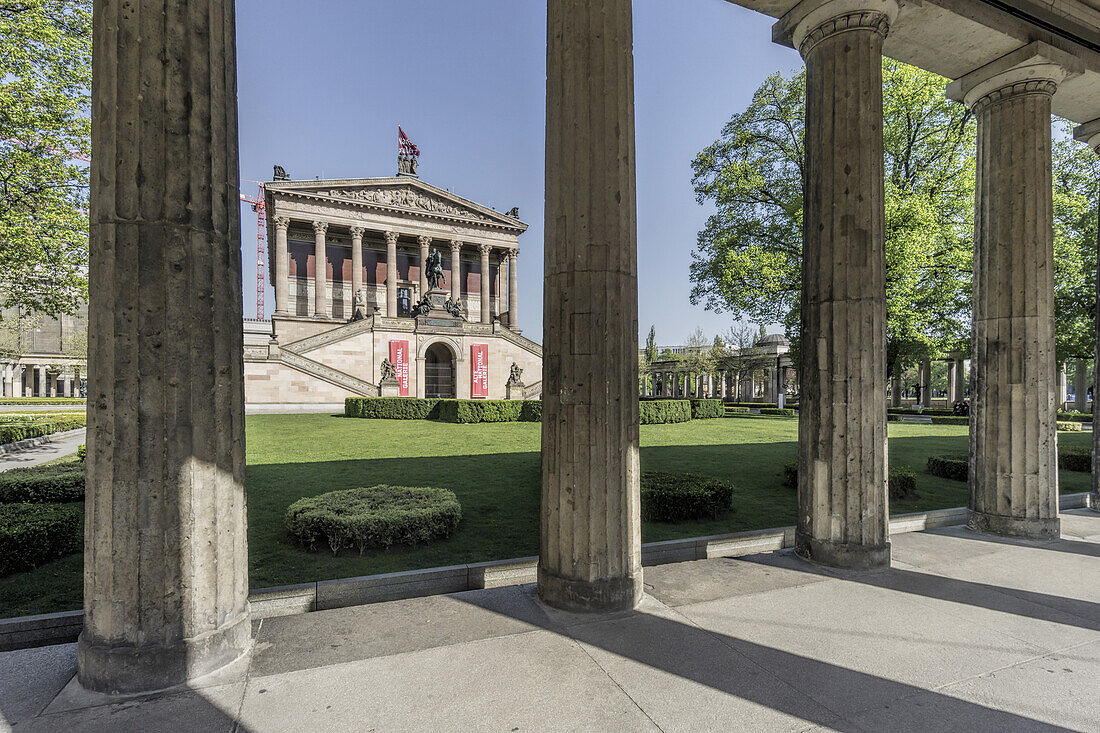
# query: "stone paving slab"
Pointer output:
{"type": "Point", "coordinates": [964, 632]}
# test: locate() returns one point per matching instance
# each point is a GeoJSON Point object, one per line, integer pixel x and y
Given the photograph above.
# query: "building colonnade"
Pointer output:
{"type": "Point", "coordinates": [38, 380]}
{"type": "Point", "coordinates": [166, 583]}
{"type": "Point", "coordinates": [765, 383]}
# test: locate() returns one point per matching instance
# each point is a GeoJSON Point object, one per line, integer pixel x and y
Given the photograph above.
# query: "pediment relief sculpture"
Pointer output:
{"type": "Point", "coordinates": [406, 198]}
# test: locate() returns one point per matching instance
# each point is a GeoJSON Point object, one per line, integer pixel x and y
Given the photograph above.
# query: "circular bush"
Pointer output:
{"type": "Point", "coordinates": [671, 497]}
{"type": "Point", "coordinates": [376, 516]}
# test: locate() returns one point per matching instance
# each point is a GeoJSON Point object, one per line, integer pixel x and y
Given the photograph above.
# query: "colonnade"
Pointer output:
{"type": "Point", "coordinates": [37, 380]}
{"type": "Point", "coordinates": [166, 586]}
{"type": "Point", "coordinates": [724, 384]}
{"type": "Point", "coordinates": [507, 258]}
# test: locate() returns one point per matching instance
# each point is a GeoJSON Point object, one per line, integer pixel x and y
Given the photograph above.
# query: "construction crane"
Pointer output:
{"type": "Point", "coordinates": [260, 207]}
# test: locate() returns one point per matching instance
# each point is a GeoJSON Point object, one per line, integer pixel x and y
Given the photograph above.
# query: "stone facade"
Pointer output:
{"type": "Point", "coordinates": [374, 234]}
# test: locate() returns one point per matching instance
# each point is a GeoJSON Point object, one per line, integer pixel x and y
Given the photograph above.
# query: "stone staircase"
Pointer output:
{"type": "Point", "coordinates": [532, 391]}
{"type": "Point", "coordinates": [323, 372]}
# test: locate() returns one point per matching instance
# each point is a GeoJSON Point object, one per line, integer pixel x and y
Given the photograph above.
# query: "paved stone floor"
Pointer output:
{"type": "Point", "coordinates": [964, 633]}
{"type": "Point", "coordinates": [61, 444]}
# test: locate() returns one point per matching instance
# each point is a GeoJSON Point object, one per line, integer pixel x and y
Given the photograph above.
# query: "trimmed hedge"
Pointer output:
{"type": "Point", "coordinates": [672, 497]}
{"type": "Point", "coordinates": [1074, 416]}
{"type": "Point", "coordinates": [706, 409]}
{"type": "Point", "coordinates": [956, 468]}
{"type": "Point", "coordinates": [752, 404]}
{"type": "Point", "coordinates": [43, 484]}
{"type": "Point", "coordinates": [1069, 426]}
{"type": "Point", "coordinates": [950, 420]}
{"type": "Point", "coordinates": [664, 411]}
{"type": "Point", "coordinates": [735, 410]}
{"type": "Point", "coordinates": [42, 401]}
{"type": "Point", "coordinates": [82, 452]}
{"type": "Point", "coordinates": [375, 516]}
{"type": "Point", "coordinates": [785, 411]}
{"type": "Point", "coordinates": [391, 408]}
{"type": "Point", "coordinates": [902, 482]}
{"type": "Point", "coordinates": [13, 432]}
{"type": "Point", "coordinates": [472, 411]}
{"type": "Point", "coordinates": [33, 534]}
{"type": "Point", "coordinates": [1075, 459]}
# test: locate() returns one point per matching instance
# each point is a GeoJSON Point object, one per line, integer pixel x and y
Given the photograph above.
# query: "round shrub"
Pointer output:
{"type": "Point", "coordinates": [33, 534]}
{"type": "Point", "coordinates": [956, 468]}
{"type": "Point", "coordinates": [376, 516]}
{"type": "Point", "coordinates": [1075, 458]}
{"type": "Point", "coordinates": [902, 482]}
{"type": "Point", "coordinates": [672, 497]}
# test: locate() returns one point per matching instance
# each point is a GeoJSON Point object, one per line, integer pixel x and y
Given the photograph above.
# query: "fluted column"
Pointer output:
{"type": "Point", "coordinates": [165, 555]}
{"type": "Point", "coordinates": [952, 396]}
{"type": "Point", "coordinates": [356, 262]}
{"type": "Point", "coordinates": [960, 379]}
{"type": "Point", "coordinates": [43, 384]}
{"type": "Point", "coordinates": [1080, 386]}
{"type": "Point", "coordinates": [513, 289]}
{"type": "Point", "coordinates": [282, 267]}
{"type": "Point", "coordinates": [895, 388]}
{"type": "Point", "coordinates": [484, 250]}
{"type": "Point", "coordinates": [424, 242]}
{"type": "Point", "coordinates": [1013, 447]}
{"type": "Point", "coordinates": [590, 551]}
{"type": "Point", "coordinates": [320, 275]}
{"type": "Point", "coordinates": [1090, 133]}
{"type": "Point", "coordinates": [456, 270]}
{"type": "Point", "coordinates": [842, 517]}
{"type": "Point", "coordinates": [391, 274]}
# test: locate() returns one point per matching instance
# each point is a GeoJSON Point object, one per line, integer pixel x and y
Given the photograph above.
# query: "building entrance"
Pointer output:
{"type": "Point", "coordinates": [439, 373]}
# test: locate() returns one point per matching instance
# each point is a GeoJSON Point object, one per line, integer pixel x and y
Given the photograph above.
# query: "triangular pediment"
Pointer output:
{"type": "Point", "coordinates": [403, 194]}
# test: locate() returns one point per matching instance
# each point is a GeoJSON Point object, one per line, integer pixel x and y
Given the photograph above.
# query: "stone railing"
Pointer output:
{"type": "Point", "coordinates": [521, 341]}
{"type": "Point", "coordinates": [331, 336]}
{"type": "Point", "coordinates": [530, 391]}
{"type": "Point", "coordinates": [327, 373]}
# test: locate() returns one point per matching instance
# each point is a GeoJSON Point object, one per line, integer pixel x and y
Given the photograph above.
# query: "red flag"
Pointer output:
{"type": "Point", "coordinates": [405, 145]}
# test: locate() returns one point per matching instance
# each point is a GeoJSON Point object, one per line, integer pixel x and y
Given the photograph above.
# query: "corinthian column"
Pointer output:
{"type": "Point", "coordinates": [1013, 447]}
{"type": "Point", "coordinates": [391, 274]}
{"type": "Point", "coordinates": [513, 292]}
{"type": "Point", "coordinates": [320, 276]}
{"type": "Point", "coordinates": [590, 550]}
{"type": "Point", "coordinates": [456, 270]}
{"type": "Point", "coordinates": [165, 556]}
{"type": "Point", "coordinates": [282, 267]}
{"type": "Point", "coordinates": [356, 262]}
{"type": "Point", "coordinates": [424, 242]}
{"type": "Point", "coordinates": [842, 512]}
{"type": "Point", "coordinates": [1090, 133]}
{"type": "Point", "coordinates": [484, 249]}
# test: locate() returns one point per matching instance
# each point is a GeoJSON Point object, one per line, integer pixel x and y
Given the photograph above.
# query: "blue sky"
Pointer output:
{"type": "Point", "coordinates": [324, 84]}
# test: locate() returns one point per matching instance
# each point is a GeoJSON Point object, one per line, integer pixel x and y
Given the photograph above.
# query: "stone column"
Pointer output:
{"type": "Point", "coordinates": [282, 267]}
{"type": "Point", "coordinates": [842, 518]}
{"type": "Point", "coordinates": [391, 274]}
{"type": "Point", "coordinates": [424, 243]}
{"type": "Point", "coordinates": [456, 270]}
{"type": "Point", "coordinates": [1063, 387]}
{"type": "Point", "coordinates": [27, 379]}
{"type": "Point", "coordinates": [513, 290]}
{"type": "Point", "coordinates": [67, 386]}
{"type": "Point", "coordinates": [165, 554]}
{"type": "Point", "coordinates": [320, 274]}
{"type": "Point", "coordinates": [951, 381]}
{"type": "Point", "coordinates": [356, 263]}
{"type": "Point", "coordinates": [960, 378]}
{"type": "Point", "coordinates": [895, 388]}
{"type": "Point", "coordinates": [484, 250]}
{"type": "Point", "coordinates": [1080, 386]}
{"type": "Point", "coordinates": [1013, 447]}
{"type": "Point", "coordinates": [1090, 133]}
{"type": "Point", "coordinates": [926, 383]}
{"type": "Point", "coordinates": [43, 382]}
{"type": "Point", "coordinates": [590, 554]}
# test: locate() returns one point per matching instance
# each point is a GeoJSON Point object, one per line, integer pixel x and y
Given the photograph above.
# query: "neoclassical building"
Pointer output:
{"type": "Point", "coordinates": [48, 359]}
{"type": "Point", "coordinates": [335, 323]}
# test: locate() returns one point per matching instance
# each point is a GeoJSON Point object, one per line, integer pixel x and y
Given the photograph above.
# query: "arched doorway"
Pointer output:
{"type": "Point", "coordinates": [439, 372]}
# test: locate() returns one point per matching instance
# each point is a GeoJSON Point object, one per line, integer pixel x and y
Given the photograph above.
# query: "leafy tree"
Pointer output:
{"type": "Point", "coordinates": [45, 75]}
{"type": "Point", "coordinates": [749, 255]}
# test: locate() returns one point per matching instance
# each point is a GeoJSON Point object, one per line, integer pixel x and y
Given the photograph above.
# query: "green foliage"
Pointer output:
{"type": "Point", "coordinates": [1069, 426]}
{"type": "Point", "coordinates": [752, 404]}
{"type": "Point", "coordinates": [956, 468]}
{"type": "Point", "coordinates": [42, 400]}
{"type": "Point", "coordinates": [471, 411]}
{"type": "Point", "coordinates": [391, 408]}
{"type": "Point", "coordinates": [82, 452]}
{"type": "Point", "coordinates": [59, 482]}
{"type": "Point", "coordinates": [12, 432]}
{"type": "Point", "coordinates": [785, 411]}
{"type": "Point", "coordinates": [735, 410]}
{"type": "Point", "coordinates": [45, 74]}
{"type": "Point", "coordinates": [950, 420]}
{"type": "Point", "coordinates": [674, 497]}
{"type": "Point", "coordinates": [1075, 458]}
{"type": "Point", "coordinates": [378, 516]}
{"type": "Point", "coordinates": [663, 411]}
{"type": "Point", "coordinates": [902, 482]}
{"type": "Point", "coordinates": [33, 534]}
{"type": "Point", "coordinates": [703, 409]}
{"type": "Point", "coordinates": [920, 411]}
{"type": "Point", "coordinates": [1074, 416]}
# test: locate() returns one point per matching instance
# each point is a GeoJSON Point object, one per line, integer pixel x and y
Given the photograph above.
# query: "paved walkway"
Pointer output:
{"type": "Point", "coordinates": [61, 444]}
{"type": "Point", "coordinates": [964, 633]}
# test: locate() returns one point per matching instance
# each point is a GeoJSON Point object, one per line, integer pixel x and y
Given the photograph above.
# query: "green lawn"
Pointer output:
{"type": "Point", "coordinates": [494, 470]}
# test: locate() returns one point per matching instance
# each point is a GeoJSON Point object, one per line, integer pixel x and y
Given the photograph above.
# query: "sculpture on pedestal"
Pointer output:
{"type": "Point", "coordinates": [434, 270]}
{"type": "Point", "coordinates": [359, 310]}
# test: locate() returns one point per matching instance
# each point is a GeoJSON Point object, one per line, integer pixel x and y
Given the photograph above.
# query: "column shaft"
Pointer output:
{"type": "Point", "coordinates": [590, 552]}
{"type": "Point", "coordinates": [320, 274]}
{"type": "Point", "coordinates": [391, 274]}
{"type": "Point", "coordinates": [282, 267]}
{"type": "Point", "coordinates": [1014, 467]}
{"type": "Point", "coordinates": [484, 250]}
{"type": "Point", "coordinates": [356, 263]}
{"type": "Point", "coordinates": [951, 391]}
{"type": "Point", "coordinates": [842, 519]}
{"type": "Point", "coordinates": [424, 243]}
{"type": "Point", "coordinates": [513, 289]}
{"type": "Point", "coordinates": [456, 270]}
{"type": "Point", "coordinates": [165, 554]}
{"type": "Point", "coordinates": [1080, 385]}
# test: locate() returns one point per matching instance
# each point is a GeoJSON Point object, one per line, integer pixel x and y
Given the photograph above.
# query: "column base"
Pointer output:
{"type": "Point", "coordinates": [126, 669]}
{"type": "Point", "coordinates": [1094, 502]}
{"type": "Point", "coordinates": [583, 596]}
{"type": "Point", "coordinates": [842, 555]}
{"type": "Point", "coordinates": [998, 524]}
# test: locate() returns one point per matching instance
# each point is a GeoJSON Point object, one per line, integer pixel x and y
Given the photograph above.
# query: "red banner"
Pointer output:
{"type": "Point", "coordinates": [479, 370]}
{"type": "Point", "coordinates": [399, 357]}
